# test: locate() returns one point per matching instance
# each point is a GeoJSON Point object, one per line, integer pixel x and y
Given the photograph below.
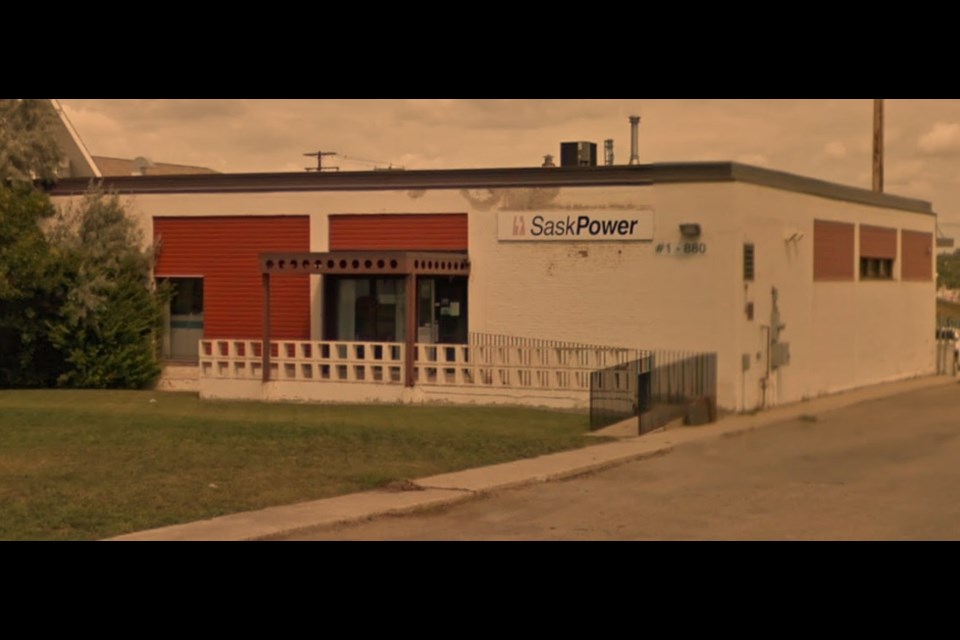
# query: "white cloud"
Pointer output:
{"type": "Point", "coordinates": [418, 161]}
{"type": "Point", "coordinates": [942, 139]}
{"type": "Point", "coordinates": [891, 135]}
{"type": "Point", "coordinates": [905, 171]}
{"type": "Point", "coordinates": [917, 188]}
{"type": "Point", "coordinates": [754, 158]}
{"type": "Point", "coordinates": [827, 139]}
{"type": "Point", "coordinates": [102, 134]}
{"type": "Point", "coordinates": [835, 149]}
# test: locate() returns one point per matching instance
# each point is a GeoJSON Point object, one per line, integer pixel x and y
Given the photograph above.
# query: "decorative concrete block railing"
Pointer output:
{"type": "Point", "coordinates": [514, 366]}
{"type": "Point", "coordinates": [304, 361]}
{"type": "Point", "coordinates": [540, 364]}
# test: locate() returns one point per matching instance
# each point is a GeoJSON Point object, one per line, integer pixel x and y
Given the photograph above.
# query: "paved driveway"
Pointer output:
{"type": "Point", "coordinates": [887, 469]}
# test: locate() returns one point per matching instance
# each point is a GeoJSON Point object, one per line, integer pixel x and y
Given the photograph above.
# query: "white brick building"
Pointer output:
{"type": "Point", "coordinates": [661, 256]}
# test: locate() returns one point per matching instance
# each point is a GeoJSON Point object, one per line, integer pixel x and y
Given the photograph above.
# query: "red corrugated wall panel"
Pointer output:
{"type": "Point", "coordinates": [225, 250]}
{"type": "Point", "coordinates": [832, 250]}
{"type": "Point", "coordinates": [399, 232]}
{"type": "Point", "coordinates": [878, 242]}
{"type": "Point", "coordinates": [917, 250]}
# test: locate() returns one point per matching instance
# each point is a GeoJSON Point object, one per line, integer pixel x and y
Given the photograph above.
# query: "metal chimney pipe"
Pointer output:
{"type": "Point", "coordinates": [608, 152]}
{"type": "Point", "coordinates": [634, 129]}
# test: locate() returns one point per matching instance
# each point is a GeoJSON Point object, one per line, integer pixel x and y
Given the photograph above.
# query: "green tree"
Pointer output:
{"type": "Point", "coordinates": [948, 270]}
{"type": "Point", "coordinates": [31, 279]}
{"type": "Point", "coordinates": [28, 148]}
{"type": "Point", "coordinates": [110, 322]}
{"type": "Point", "coordinates": [76, 304]}
{"type": "Point", "coordinates": [32, 289]}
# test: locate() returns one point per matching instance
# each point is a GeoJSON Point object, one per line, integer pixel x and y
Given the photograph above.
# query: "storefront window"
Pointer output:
{"type": "Point", "coordinates": [365, 309]}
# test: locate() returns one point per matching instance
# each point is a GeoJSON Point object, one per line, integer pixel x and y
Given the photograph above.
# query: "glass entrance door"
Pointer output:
{"type": "Point", "coordinates": [442, 310]}
{"type": "Point", "coordinates": [185, 320]}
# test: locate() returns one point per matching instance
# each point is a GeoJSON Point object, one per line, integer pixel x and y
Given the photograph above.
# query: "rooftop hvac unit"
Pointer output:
{"type": "Point", "coordinates": [578, 154]}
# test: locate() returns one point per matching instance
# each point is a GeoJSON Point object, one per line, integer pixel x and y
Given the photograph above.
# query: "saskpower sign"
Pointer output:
{"type": "Point", "coordinates": [575, 226]}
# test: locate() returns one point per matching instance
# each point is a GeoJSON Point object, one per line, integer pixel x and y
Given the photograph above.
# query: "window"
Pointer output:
{"type": "Point", "coordinates": [365, 309]}
{"type": "Point", "coordinates": [187, 296]}
{"type": "Point", "coordinates": [876, 268]}
{"type": "Point", "coordinates": [748, 253]}
{"type": "Point", "coordinates": [878, 249]}
{"type": "Point", "coordinates": [371, 309]}
{"type": "Point", "coordinates": [184, 320]}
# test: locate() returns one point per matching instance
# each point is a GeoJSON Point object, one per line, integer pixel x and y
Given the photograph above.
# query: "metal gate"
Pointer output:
{"type": "Point", "coordinates": [658, 387]}
{"type": "Point", "coordinates": [946, 356]}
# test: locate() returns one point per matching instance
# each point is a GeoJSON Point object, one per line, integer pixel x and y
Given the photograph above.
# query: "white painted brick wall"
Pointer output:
{"type": "Point", "coordinates": [841, 335]}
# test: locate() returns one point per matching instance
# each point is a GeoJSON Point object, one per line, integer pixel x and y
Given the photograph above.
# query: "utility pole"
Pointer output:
{"type": "Point", "coordinates": [878, 146]}
{"type": "Point", "coordinates": [320, 155]}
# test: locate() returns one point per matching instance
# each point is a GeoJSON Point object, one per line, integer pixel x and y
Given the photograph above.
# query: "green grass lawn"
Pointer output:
{"type": "Point", "coordinates": [78, 465]}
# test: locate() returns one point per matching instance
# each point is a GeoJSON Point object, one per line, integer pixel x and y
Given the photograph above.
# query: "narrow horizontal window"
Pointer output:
{"type": "Point", "coordinates": [876, 269]}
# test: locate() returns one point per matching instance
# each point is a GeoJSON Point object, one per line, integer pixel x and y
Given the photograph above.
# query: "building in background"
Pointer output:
{"type": "Point", "coordinates": [79, 163]}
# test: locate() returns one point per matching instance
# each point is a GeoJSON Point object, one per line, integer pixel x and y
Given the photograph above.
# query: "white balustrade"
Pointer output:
{"type": "Point", "coordinates": [304, 361]}
{"type": "Point", "coordinates": [456, 365]}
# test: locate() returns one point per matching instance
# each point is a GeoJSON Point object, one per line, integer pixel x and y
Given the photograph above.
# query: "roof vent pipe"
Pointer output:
{"type": "Point", "coordinates": [634, 132]}
{"type": "Point", "coordinates": [608, 152]}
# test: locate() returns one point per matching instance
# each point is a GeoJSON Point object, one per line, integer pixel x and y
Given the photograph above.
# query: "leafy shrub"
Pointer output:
{"type": "Point", "coordinates": [108, 326]}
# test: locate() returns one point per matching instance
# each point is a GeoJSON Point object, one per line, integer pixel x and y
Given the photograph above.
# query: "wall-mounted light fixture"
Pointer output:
{"type": "Point", "coordinates": [689, 229]}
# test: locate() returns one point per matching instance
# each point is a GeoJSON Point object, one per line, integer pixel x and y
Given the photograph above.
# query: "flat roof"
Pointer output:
{"type": "Point", "coordinates": [515, 177]}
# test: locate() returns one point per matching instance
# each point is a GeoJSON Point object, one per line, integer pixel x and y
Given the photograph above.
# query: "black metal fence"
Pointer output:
{"type": "Point", "coordinates": [614, 391]}
{"type": "Point", "coordinates": [502, 340]}
{"type": "Point", "coordinates": [948, 322]}
{"type": "Point", "coordinates": [657, 387]}
{"type": "Point", "coordinates": [947, 360]}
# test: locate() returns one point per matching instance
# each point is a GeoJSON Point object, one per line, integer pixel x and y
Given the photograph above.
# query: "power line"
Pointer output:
{"type": "Point", "coordinates": [355, 159]}
{"type": "Point", "coordinates": [320, 155]}
{"type": "Point", "coordinates": [371, 162]}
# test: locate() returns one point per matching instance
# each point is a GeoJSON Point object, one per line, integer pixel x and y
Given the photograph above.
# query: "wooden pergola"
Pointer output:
{"type": "Point", "coordinates": [409, 264]}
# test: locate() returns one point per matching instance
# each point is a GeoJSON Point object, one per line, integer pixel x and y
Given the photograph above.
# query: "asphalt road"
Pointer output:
{"type": "Point", "coordinates": [887, 469]}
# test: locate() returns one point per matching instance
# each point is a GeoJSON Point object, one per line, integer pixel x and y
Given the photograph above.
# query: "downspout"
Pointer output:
{"type": "Point", "coordinates": [765, 380]}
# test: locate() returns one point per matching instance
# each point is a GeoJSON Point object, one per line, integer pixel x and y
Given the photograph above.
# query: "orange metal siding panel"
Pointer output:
{"type": "Point", "coordinates": [225, 250]}
{"type": "Point", "coordinates": [917, 248]}
{"type": "Point", "coordinates": [398, 232]}
{"type": "Point", "coordinates": [833, 250]}
{"type": "Point", "coordinates": [878, 242]}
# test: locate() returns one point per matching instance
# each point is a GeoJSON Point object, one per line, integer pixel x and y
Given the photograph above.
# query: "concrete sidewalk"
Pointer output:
{"type": "Point", "coordinates": [450, 488]}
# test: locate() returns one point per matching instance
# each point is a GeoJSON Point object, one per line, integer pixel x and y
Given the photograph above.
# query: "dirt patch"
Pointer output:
{"type": "Point", "coordinates": [402, 485]}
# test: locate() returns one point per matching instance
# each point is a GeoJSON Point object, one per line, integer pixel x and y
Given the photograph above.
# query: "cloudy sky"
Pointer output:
{"type": "Point", "coordinates": [827, 139]}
